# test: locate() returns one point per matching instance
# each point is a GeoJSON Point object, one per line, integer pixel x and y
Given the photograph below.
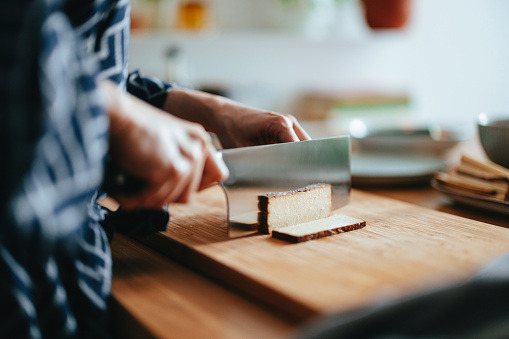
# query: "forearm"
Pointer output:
{"type": "Point", "coordinates": [235, 124]}
{"type": "Point", "coordinates": [199, 107]}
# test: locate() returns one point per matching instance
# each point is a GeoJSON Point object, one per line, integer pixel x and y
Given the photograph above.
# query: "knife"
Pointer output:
{"type": "Point", "coordinates": [264, 169]}
{"type": "Point", "coordinates": [283, 167]}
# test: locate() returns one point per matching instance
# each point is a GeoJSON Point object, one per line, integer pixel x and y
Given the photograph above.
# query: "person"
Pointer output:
{"type": "Point", "coordinates": [69, 111]}
{"type": "Point", "coordinates": [236, 125]}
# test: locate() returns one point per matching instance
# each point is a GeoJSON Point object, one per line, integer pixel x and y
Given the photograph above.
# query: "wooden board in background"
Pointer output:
{"type": "Point", "coordinates": [403, 249]}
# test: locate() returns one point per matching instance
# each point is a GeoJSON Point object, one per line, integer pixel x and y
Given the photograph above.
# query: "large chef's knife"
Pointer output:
{"type": "Point", "coordinates": [265, 169]}
{"type": "Point", "coordinates": [283, 167]}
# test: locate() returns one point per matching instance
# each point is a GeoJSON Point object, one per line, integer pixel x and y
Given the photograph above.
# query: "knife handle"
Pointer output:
{"type": "Point", "coordinates": [118, 182]}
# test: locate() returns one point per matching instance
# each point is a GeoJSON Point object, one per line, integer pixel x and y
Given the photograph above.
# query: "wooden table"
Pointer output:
{"type": "Point", "coordinates": [157, 297]}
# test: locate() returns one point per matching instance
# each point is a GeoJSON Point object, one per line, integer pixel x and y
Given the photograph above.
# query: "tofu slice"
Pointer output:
{"type": "Point", "coordinates": [320, 228]}
{"type": "Point", "coordinates": [276, 210]}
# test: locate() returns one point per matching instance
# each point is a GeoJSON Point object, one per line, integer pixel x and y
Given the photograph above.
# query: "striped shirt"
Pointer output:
{"type": "Point", "coordinates": [55, 261]}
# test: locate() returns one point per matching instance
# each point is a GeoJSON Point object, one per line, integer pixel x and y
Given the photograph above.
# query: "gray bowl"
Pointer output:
{"type": "Point", "coordinates": [494, 136]}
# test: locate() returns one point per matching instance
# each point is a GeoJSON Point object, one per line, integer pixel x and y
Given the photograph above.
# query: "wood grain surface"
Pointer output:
{"type": "Point", "coordinates": [403, 249]}
{"type": "Point", "coordinates": [158, 298]}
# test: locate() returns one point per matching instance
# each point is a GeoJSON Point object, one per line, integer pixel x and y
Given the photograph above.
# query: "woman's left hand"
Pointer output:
{"type": "Point", "coordinates": [235, 124]}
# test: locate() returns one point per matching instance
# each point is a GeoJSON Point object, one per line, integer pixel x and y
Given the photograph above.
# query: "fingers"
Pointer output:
{"type": "Point", "coordinates": [299, 131]}
{"type": "Point", "coordinates": [209, 167]}
{"type": "Point", "coordinates": [189, 179]}
{"type": "Point", "coordinates": [148, 198]}
{"type": "Point", "coordinates": [214, 170]}
{"type": "Point", "coordinates": [285, 128]}
{"type": "Point", "coordinates": [197, 167]}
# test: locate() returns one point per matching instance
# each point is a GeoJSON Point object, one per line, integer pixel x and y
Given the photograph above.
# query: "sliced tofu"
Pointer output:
{"type": "Point", "coordinates": [276, 210]}
{"type": "Point", "coordinates": [320, 228]}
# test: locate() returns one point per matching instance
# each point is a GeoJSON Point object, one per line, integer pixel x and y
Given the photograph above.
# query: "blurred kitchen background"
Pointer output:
{"type": "Point", "coordinates": [433, 62]}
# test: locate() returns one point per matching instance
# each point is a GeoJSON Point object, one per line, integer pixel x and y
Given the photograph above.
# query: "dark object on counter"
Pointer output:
{"type": "Point", "coordinates": [476, 308]}
{"type": "Point", "coordinates": [494, 137]}
{"type": "Point", "coordinates": [387, 14]}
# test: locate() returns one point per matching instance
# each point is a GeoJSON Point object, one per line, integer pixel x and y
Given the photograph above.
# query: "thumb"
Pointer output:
{"type": "Point", "coordinates": [214, 169]}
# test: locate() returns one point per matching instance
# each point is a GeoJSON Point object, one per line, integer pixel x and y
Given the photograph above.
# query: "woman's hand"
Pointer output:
{"type": "Point", "coordinates": [236, 125]}
{"type": "Point", "coordinates": [174, 157]}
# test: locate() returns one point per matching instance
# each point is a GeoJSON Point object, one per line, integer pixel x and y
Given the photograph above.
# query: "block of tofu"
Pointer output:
{"type": "Point", "coordinates": [320, 228]}
{"type": "Point", "coordinates": [276, 210]}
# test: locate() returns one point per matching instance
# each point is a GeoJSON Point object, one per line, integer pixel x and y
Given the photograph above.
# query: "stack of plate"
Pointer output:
{"type": "Point", "coordinates": [400, 156]}
{"type": "Point", "coordinates": [478, 183]}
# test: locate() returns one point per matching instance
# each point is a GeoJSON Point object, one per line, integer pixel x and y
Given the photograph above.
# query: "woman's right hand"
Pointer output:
{"type": "Point", "coordinates": [175, 158]}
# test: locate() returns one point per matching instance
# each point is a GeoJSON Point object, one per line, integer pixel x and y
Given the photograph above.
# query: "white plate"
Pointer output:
{"type": "Point", "coordinates": [393, 169]}
{"type": "Point", "coordinates": [474, 201]}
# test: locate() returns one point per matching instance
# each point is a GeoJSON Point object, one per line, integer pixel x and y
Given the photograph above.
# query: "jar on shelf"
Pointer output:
{"type": "Point", "coordinates": [194, 15]}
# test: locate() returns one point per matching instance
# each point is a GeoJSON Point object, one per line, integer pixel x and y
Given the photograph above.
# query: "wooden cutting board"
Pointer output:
{"type": "Point", "coordinates": [404, 249]}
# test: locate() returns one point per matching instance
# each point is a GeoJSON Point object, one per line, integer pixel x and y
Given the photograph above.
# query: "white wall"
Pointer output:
{"type": "Point", "coordinates": [453, 58]}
